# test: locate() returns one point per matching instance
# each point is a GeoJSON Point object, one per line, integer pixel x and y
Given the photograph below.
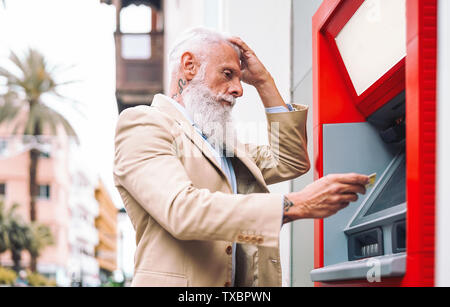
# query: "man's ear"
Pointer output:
{"type": "Point", "coordinates": [189, 65]}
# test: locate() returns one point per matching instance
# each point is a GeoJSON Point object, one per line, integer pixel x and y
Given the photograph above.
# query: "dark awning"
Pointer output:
{"type": "Point", "coordinates": [154, 3]}
{"type": "Point", "coordinates": [125, 3]}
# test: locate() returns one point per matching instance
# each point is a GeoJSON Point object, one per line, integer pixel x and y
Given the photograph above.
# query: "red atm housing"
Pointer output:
{"type": "Point", "coordinates": [336, 101]}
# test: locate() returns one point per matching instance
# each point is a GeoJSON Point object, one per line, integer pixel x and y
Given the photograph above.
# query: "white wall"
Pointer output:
{"type": "Point", "coordinates": [265, 26]}
{"type": "Point", "coordinates": [179, 15]}
{"type": "Point", "coordinates": [302, 92]}
{"type": "Point", "coordinates": [443, 163]}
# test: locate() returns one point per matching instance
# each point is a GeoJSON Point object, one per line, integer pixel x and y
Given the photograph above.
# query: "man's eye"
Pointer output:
{"type": "Point", "coordinates": [228, 74]}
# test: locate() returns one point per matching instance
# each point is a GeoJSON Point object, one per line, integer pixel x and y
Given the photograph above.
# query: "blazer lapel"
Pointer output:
{"type": "Point", "coordinates": [242, 155]}
{"type": "Point", "coordinates": [198, 140]}
{"type": "Point", "coordinates": [161, 102]}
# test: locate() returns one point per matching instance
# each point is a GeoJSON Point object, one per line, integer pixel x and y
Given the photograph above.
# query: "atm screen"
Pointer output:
{"type": "Point", "coordinates": [394, 191]}
{"type": "Point", "coordinates": [388, 196]}
{"type": "Point", "coordinates": [382, 211]}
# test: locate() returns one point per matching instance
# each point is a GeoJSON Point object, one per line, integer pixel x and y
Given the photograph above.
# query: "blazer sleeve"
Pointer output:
{"type": "Point", "coordinates": [147, 167]}
{"type": "Point", "coordinates": [286, 156]}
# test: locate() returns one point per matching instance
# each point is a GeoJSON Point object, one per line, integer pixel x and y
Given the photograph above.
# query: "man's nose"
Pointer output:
{"type": "Point", "coordinates": [236, 89]}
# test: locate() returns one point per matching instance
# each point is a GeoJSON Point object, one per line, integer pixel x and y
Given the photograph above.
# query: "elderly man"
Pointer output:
{"type": "Point", "coordinates": [198, 198]}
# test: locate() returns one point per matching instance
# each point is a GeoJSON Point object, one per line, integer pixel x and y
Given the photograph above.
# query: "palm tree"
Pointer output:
{"type": "Point", "coordinates": [27, 83]}
{"type": "Point", "coordinates": [14, 233]}
{"type": "Point", "coordinates": [17, 236]}
{"type": "Point", "coordinates": [4, 241]}
{"type": "Point", "coordinates": [38, 237]}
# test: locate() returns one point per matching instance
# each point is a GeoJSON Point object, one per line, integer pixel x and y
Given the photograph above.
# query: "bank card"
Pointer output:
{"type": "Point", "coordinates": [372, 180]}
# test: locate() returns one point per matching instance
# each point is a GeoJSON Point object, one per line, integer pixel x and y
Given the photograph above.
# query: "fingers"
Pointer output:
{"type": "Point", "coordinates": [246, 51]}
{"type": "Point", "coordinates": [240, 43]}
{"type": "Point", "coordinates": [338, 207]}
{"type": "Point", "coordinates": [348, 198]}
{"type": "Point", "coordinates": [343, 205]}
{"type": "Point", "coordinates": [344, 188]}
{"type": "Point", "coordinates": [351, 178]}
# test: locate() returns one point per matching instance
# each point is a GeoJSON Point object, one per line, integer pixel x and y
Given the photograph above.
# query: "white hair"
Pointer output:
{"type": "Point", "coordinates": [194, 40]}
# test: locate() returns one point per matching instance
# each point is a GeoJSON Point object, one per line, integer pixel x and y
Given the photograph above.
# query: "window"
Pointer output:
{"type": "Point", "coordinates": [2, 189]}
{"type": "Point", "coordinates": [136, 46]}
{"type": "Point", "coordinates": [136, 19]}
{"type": "Point", "coordinates": [44, 191]}
{"type": "Point", "coordinates": [135, 24]}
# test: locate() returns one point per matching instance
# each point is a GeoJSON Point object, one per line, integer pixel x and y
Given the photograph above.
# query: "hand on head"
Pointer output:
{"type": "Point", "coordinates": [253, 70]}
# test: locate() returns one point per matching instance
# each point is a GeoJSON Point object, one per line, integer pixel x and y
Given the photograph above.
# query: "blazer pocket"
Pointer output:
{"type": "Point", "coordinates": [158, 279]}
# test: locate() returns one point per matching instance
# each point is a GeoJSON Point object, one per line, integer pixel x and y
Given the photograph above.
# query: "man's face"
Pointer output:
{"type": "Point", "coordinates": [223, 72]}
{"type": "Point", "coordinates": [210, 96]}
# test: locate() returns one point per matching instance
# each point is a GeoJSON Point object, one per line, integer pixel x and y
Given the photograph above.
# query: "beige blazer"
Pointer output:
{"type": "Point", "coordinates": [181, 203]}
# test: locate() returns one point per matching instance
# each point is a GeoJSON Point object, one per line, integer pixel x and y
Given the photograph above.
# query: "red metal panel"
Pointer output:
{"type": "Point", "coordinates": [333, 84]}
{"type": "Point", "coordinates": [335, 100]}
{"type": "Point", "coordinates": [386, 88]}
{"type": "Point", "coordinates": [421, 140]}
{"type": "Point", "coordinates": [341, 15]}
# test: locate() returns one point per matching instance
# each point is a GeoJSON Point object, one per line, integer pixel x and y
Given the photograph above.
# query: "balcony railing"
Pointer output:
{"type": "Point", "coordinates": [139, 64]}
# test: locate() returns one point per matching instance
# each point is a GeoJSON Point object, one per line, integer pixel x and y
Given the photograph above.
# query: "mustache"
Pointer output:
{"type": "Point", "coordinates": [228, 98]}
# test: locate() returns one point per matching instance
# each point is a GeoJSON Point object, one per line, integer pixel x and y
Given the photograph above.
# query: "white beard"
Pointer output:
{"type": "Point", "coordinates": [214, 119]}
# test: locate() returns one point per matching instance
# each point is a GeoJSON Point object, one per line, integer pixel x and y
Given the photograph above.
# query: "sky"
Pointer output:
{"type": "Point", "coordinates": [78, 33]}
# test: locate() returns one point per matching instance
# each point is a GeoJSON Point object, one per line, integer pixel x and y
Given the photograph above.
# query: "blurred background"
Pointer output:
{"type": "Point", "coordinates": [67, 69]}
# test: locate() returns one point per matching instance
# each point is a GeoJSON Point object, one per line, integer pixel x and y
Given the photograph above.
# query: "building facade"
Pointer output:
{"type": "Point", "coordinates": [66, 204]}
{"type": "Point", "coordinates": [52, 204]}
{"type": "Point", "coordinates": [106, 224]}
{"type": "Point", "coordinates": [83, 234]}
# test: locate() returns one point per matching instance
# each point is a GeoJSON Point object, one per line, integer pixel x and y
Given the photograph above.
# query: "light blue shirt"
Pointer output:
{"type": "Point", "coordinates": [225, 162]}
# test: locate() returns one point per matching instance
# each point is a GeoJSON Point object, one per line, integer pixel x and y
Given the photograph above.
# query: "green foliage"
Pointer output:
{"type": "Point", "coordinates": [7, 276]}
{"type": "Point", "coordinates": [113, 284]}
{"type": "Point", "coordinates": [17, 235]}
{"type": "Point", "coordinates": [37, 280]}
{"type": "Point", "coordinates": [4, 241]}
{"type": "Point", "coordinates": [39, 236]}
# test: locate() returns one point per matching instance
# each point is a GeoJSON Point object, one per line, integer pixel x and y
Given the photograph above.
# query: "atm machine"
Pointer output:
{"type": "Point", "coordinates": [374, 79]}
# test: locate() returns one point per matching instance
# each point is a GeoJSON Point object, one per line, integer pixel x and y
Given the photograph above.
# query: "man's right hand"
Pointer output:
{"type": "Point", "coordinates": [324, 197]}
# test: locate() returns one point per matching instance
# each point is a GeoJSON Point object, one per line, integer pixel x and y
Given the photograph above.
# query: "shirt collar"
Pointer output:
{"type": "Point", "coordinates": [183, 111]}
{"type": "Point", "coordinates": [180, 108]}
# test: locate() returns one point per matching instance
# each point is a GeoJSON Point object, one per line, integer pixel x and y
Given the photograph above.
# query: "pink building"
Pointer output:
{"type": "Point", "coordinates": [54, 206]}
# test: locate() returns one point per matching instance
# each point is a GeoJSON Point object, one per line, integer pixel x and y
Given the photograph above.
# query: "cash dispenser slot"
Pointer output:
{"type": "Point", "coordinates": [365, 244]}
